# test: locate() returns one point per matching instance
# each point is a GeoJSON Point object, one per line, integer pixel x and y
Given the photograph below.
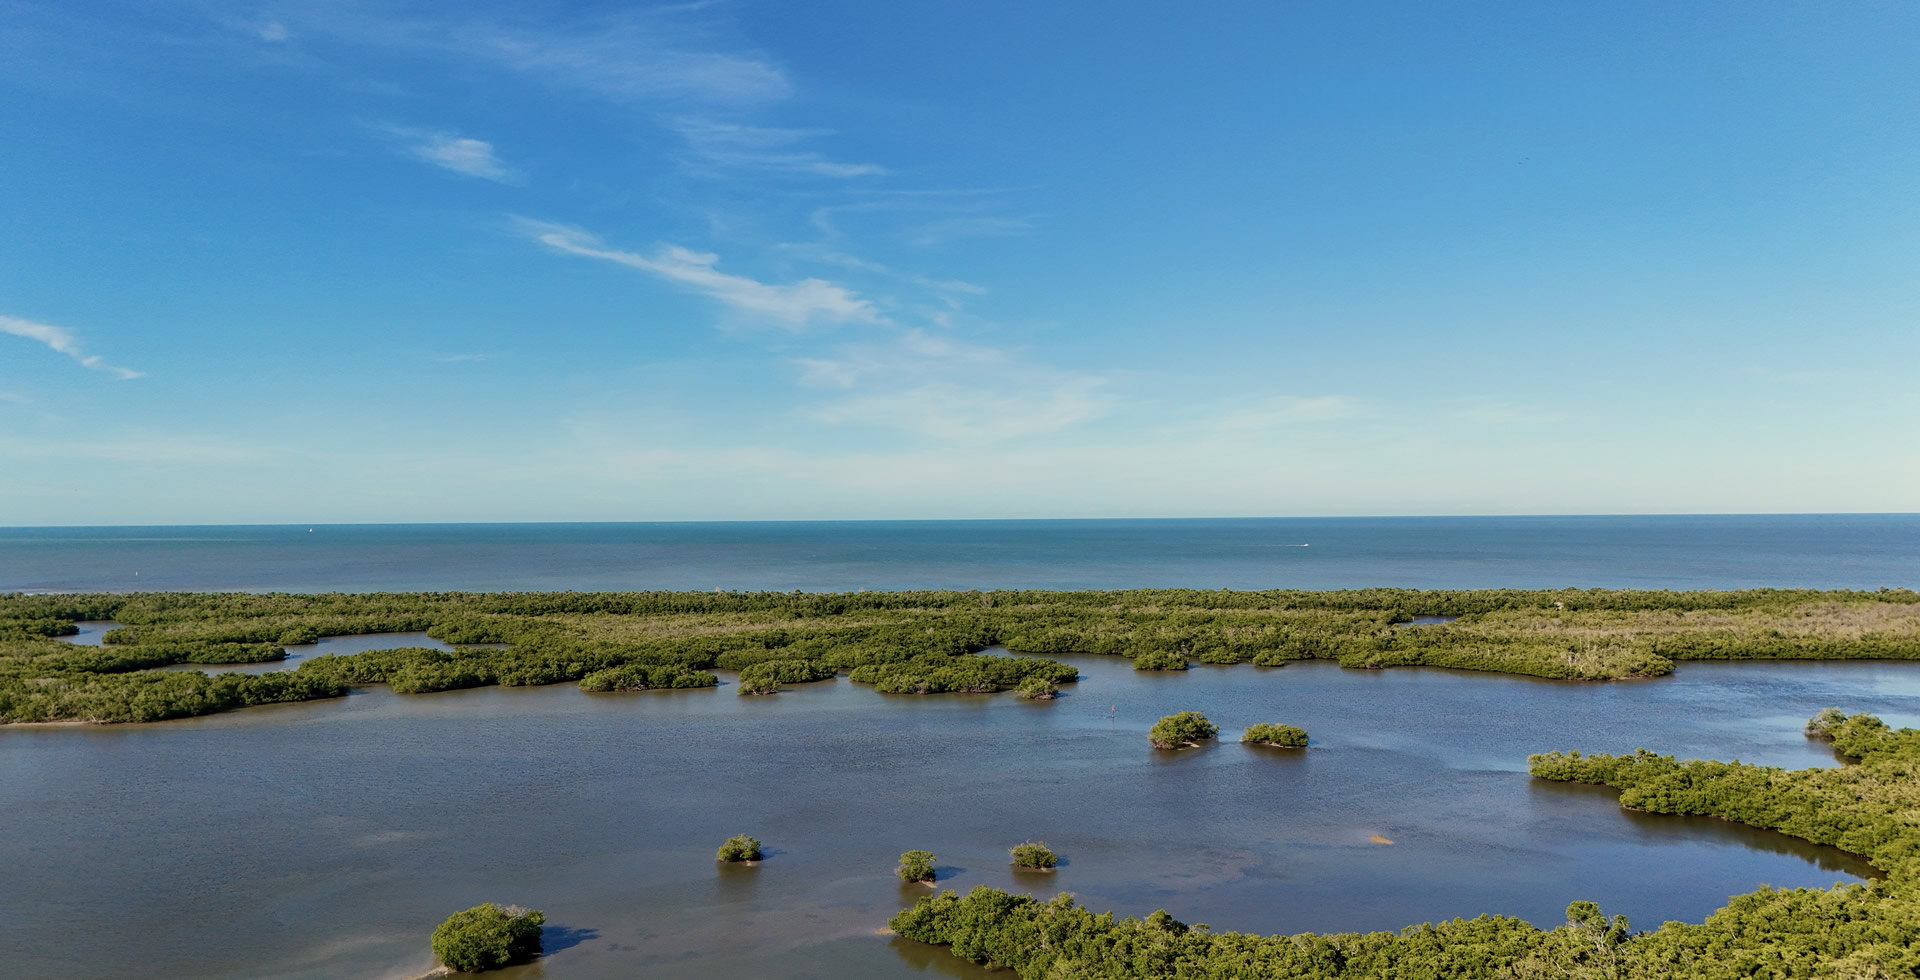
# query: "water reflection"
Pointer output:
{"type": "Point", "coordinates": [1661, 828]}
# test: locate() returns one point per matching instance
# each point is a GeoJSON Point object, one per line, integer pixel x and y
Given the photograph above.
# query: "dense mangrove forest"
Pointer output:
{"type": "Point", "coordinates": [1870, 807]}
{"type": "Point", "coordinates": [899, 642]}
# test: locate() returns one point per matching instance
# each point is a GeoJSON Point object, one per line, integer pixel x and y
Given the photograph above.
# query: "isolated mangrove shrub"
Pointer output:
{"type": "Point", "coordinates": [1823, 724]}
{"type": "Point", "coordinates": [488, 937]}
{"type": "Point", "coordinates": [1160, 660]}
{"type": "Point", "coordinates": [1185, 728]}
{"type": "Point", "coordinates": [1033, 856]}
{"type": "Point", "coordinates": [915, 866]}
{"type": "Point", "coordinates": [1038, 689]}
{"type": "Point", "coordinates": [739, 847]}
{"type": "Point", "coordinates": [1286, 736]}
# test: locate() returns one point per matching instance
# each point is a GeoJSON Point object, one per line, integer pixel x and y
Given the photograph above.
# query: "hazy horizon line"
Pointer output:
{"type": "Point", "coordinates": [973, 520]}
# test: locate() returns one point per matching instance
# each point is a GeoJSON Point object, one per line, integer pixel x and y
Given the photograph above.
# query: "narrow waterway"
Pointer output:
{"type": "Point", "coordinates": [329, 839]}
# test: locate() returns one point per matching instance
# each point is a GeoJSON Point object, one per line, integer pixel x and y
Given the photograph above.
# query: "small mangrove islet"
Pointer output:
{"type": "Point", "coordinates": [488, 937]}
{"type": "Point", "coordinates": [916, 867]}
{"type": "Point", "coordinates": [737, 848]}
{"type": "Point", "coordinates": [1034, 856]}
{"type": "Point", "coordinates": [919, 643]}
{"type": "Point", "coordinates": [1183, 730]}
{"type": "Point", "coordinates": [1279, 736]}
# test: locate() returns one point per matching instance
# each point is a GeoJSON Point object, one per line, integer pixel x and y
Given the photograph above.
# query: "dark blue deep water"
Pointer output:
{"type": "Point", "coordinates": [1670, 552]}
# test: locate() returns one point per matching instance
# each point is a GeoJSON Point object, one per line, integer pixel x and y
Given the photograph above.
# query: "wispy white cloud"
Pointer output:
{"type": "Point", "coordinates": [828, 256]}
{"type": "Point", "coordinates": [733, 145]}
{"type": "Point", "coordinates": [463, 358]}
{"type": "Point", "coordinates": [635, 56]}
{"type": "Point", "coordinates": [273, 32]}
{"type": "Point", "coordinates": [62, 340]}
{"type": "Point", "coordinates": [950, 391]}
{"type": "Point", "coordinates": [913, 355]}
{"type": "Point", "coordinates": [664, 56]}
{"type": "Point", "coordinates": [790, 305]}
{"type": "Point", "coordinates": [962, 203]}
{"type": "Point", "coordinates": [451, 151]}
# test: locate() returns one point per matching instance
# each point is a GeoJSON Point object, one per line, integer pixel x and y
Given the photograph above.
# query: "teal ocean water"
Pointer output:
{"type": "Point", "coordinates": [1666, 552]}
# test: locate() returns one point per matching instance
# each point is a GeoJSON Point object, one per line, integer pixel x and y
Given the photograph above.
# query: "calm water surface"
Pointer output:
{"type": "Point", "coordinates": [92, 633]}
{"type": "Point", "coordinates": [328, 839]}
{"type": "Point", "coordinates": [338, 645]}
{"type": "Point", "coordinates": [1679, 552]}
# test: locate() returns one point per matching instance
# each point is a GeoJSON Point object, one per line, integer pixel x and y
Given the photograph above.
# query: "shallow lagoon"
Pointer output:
{"type": "Point", "coordinates": [337, 645]}
{"type": "Point", "coordinates": [328, 839]}
{"type": "Point", "coordinates": [92, 633]}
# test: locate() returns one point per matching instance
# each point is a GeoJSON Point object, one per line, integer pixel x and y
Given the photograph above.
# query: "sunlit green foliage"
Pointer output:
{"type": "Point", "coordinates": [488, 937]}
{"type": "Point", "coordinates": [786, 672]}
{"type": "Point", "coordinates": [1286, 736]}
{"type": "Point", "coordinates": [915, 866]}
{"type": "Point", "coordinates": [152, 696]}
{"type": "Point", "coordinates": [1038, 689]}
{"type": "Point", "coordinates": [754, 686]}
{"type": "Point", "coordinates": [1185, 728]}
{"type": "Point", "coordinates": [1823, 723]}
{"type": "Point", "coordinates": [1865, 931]}
{"type": "Point", "coordinates": [979, 674]}
{"type": "Point", "coordinates": [739, 847]}
{"type": "Point", "coordinates": [1033, 856]}
{"type": "Point", "coordinates": [928, 642]}
{"type": "Point", "coordinates": [640, 677]}
{"type": "Point", "coordinates": [1161, 660]}
{"type": "Point", "coordinates": [1868, 808]}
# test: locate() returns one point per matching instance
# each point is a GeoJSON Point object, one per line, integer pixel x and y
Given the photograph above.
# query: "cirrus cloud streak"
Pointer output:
{"type": "Point", "coordinates": [63, 341]}
{"type": "Point", "coordinates": [790, 305]}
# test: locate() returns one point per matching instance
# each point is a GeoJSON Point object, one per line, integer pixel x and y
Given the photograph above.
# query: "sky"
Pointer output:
{"type": "Point", "coordinates": [352, 261]}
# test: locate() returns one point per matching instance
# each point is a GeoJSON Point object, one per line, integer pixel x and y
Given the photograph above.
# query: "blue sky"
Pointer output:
{"type": "Point", "coordinates": [362, 261]}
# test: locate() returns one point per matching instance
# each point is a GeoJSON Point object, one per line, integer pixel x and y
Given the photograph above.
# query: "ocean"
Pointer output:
{"type": "Point", "coordinates": [1860, 551]}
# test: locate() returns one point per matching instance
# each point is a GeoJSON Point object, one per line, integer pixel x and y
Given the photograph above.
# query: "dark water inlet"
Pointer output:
{"type": "Point", "coordinates": [328, 839]}
{"type": "Point", "coordinates": [338, 645]}
{"type": "Point", "coordinates": [92, 632]}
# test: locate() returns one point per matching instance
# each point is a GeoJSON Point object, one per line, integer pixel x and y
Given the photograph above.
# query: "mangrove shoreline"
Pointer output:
{"type": "Point", "coordinates": [1868, 931]}
{"type": "Point", "coordinates": [918, 643]}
